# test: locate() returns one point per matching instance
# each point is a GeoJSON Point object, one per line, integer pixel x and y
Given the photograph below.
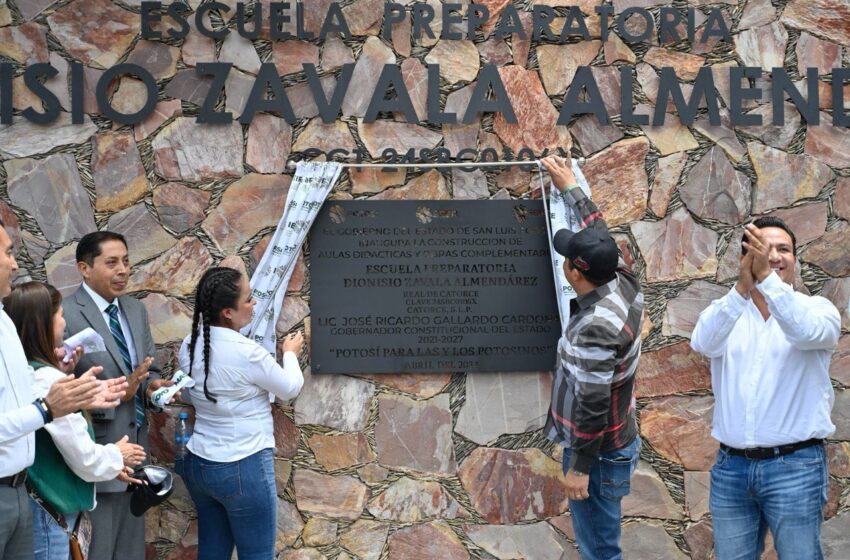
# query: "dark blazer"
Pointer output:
{"type": "Point", "coordinates": [111, 425]}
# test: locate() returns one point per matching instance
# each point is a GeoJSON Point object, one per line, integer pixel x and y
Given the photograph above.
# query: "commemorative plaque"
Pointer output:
{"type": "Point", "coordinates": [423, 286]}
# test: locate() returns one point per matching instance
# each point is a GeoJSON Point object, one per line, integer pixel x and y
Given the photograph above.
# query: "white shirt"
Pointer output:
{"type": "Point", "coordinates": [770, 378]}
{"type": "Point", "coordinates": [19, 418]}
{"type": "Point", "coordinates": [90, 461]}
{"type": "Point", "coordinates": [242, 374]}
{"type": "Point", "coordinates": [102, 304]}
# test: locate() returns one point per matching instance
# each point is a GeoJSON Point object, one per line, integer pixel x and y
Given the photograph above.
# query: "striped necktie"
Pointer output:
{"type": "Point", "coordinates": [121, 342]}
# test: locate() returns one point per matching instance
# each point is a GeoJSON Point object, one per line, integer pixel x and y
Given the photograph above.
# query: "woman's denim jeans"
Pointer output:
{"type": "Point", "coordinates": [786, 494]}
{"type": "Point", "coordinates": [50, 541]}
{"type": "Point", "coordinates": [236, 503]}
{"type": "Point", "coordinates": [596, 520]}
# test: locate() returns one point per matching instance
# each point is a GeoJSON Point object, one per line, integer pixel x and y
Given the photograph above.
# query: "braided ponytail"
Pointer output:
{"type": "Point", "coordinates": [217, 290]}
{"type": "Point", "coordinates": [194, 337]}
{"type": "Point", "coordinates": [207, 359]}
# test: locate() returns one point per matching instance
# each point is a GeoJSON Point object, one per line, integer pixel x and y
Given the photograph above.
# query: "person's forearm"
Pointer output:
{"type": "Point", "coordinates": [716, 322]}
{"type": "Point", "coordinates": [590, 414]}
{"type": "Point", "coordinates": [283, 382]}
{"type": "Point", "coordinates": [19, 422]}
{"type": "Point", "coordinates": [154, 372]}
{"type": "Point", "coordinates": [586, 449]}
{"type": "Point", "coordinates": [588, 212]}
{"type": "Point", "coordinates": [811, 323]}
{"type": "Point", "coordinates": [90, 461]}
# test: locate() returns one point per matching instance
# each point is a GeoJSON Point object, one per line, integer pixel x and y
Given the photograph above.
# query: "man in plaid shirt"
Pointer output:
{"type": "Point", "coordinates": [592, 413]}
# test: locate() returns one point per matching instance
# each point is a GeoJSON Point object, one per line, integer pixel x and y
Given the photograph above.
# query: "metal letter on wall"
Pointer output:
{"type": "Point", "coordinates": [424, 286]}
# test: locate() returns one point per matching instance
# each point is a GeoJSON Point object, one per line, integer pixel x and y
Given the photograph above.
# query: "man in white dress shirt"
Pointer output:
{"type": "Point", "coordinates": [770, 349]}
{"type": "Point", "coordinates": [21, 416]}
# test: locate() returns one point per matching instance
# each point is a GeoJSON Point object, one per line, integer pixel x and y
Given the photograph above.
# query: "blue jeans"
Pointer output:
{"type": "Point", "coordinates": [786, 494]}
{"type": "Point", "coordinates": [596, 520]}
{"type": "Point", "coordinates": [236, 503]}
{"type": "Point", "coordinates": [50, 541]}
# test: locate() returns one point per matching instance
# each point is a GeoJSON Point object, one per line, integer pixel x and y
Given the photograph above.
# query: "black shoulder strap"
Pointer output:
{"type": "Point", "coordinates": [51, 511]}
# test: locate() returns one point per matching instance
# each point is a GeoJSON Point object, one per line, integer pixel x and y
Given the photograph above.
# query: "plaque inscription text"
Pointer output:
{"type": "Point", "coordinates": [423, 286]}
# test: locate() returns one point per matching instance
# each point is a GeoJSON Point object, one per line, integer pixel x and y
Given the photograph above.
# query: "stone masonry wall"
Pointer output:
{"type": "Point", "coordinates": [442, 465]}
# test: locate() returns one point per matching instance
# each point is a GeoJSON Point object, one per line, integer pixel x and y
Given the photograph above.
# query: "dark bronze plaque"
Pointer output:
{"type": "Point", "coordinates": [421, 286]}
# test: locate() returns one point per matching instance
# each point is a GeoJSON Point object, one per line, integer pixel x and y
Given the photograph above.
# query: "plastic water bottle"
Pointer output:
{"type": "Point", "coordinates": [182, 433]}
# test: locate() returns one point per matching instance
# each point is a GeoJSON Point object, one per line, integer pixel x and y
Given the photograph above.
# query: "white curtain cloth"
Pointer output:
{"type": "Point", "coordinates": [312, 183]}
{"type": "Point", "coordinates": [563, 215]}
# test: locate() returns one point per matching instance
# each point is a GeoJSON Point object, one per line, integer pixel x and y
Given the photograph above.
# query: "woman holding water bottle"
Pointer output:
{"type": "Point", "coordinates": [228, 463]}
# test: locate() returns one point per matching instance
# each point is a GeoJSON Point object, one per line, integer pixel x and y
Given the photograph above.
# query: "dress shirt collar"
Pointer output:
{"type": "Point", "coordinates": [99, 300]}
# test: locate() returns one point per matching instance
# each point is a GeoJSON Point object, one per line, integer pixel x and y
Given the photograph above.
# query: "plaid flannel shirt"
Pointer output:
{"type": "Point", "coordinates": [593, 397]}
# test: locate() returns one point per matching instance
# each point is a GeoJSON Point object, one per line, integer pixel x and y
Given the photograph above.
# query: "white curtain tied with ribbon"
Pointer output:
{"type": "Point", "coordinates": [307, 192]}
{"type": "Point", "coordinates": [310, 187]}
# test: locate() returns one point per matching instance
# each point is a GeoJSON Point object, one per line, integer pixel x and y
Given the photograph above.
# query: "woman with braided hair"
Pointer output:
{"type": "Point", "coordinates": [229, 466]}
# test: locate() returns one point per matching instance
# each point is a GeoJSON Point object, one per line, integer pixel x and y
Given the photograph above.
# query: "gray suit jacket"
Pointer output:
{"type": "Point", "coordinates": [111, 425]}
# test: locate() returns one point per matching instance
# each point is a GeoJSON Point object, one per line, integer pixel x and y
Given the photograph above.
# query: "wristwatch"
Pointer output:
{"type": "Point", "coordinates": [44, 409]}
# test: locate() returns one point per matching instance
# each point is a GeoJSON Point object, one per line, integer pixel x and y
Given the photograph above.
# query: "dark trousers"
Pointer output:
{"type": "Point", "coordinates": [116, 533]}
{"type": "Point", "coordinates": [15, 524]}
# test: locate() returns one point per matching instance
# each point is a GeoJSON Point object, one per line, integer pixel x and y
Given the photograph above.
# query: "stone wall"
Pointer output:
{"type": "Point", "coordinates": [443, 465]}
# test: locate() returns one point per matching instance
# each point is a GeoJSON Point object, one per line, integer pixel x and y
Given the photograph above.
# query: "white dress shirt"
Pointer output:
{"type": "Point", "coordinates": [90, 461]}
{"type": "Point", "coordinates": [242, 375]}
{"type": "Point", "coordinates": [19, 418]}
{"type": "Point", "coordinates": [770, 378]}
{"type": "Point", "coordinates": [102, 304]}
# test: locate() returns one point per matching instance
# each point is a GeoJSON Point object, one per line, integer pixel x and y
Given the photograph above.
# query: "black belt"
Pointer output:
{"type": "Point", "coordinates": [759, 453]}
{"type": "Point", "coordinates": [14, 480]}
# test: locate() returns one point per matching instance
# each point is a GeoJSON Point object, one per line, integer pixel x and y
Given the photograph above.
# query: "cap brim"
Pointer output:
{"type": "Point", "coordinates": [562, 240]}
{"type": "Point", "coordinates": [140, 500]}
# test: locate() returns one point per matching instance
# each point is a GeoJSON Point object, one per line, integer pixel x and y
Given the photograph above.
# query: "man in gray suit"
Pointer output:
{"type": "Point", "coordinates": [122, 321]}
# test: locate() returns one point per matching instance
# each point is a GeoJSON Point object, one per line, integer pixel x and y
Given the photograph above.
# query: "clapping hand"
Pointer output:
{"type": "Point", "coordinates": [759, 248]}
{"type": "Point", "coordinates": [111, 392]}
{"type": "Point", "coordinates": [71, 394]}
{"type": "Point", "coordinates": [745, 276]}
{"type": "Point", "coordinates": [131, 453]}
{"type": "Point", "coordinates": [137, 377]}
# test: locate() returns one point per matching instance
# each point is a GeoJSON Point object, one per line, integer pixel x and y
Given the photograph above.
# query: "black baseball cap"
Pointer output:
{"type": "Point", "coordinates": [592, 251]}
{"type": "Point", "coordinates": [157, 485]}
